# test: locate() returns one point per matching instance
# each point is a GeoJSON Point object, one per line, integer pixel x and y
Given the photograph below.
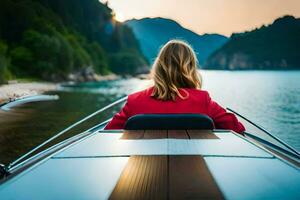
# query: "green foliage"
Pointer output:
{"type": "Point", "coordinates": [21, 60]}
{"type": "Point", "coordinates": [4, 62]}
{"type": "Point", "coordinates": [50, 39]}
{"type": "Point", "coordinates": [52, 54]}
{"type": "Point", "coordinates": [81, 57]}
{"type": "Point", "coordinates": [126, 62]}
{"type": "Point", "coordinates": [98, 57]}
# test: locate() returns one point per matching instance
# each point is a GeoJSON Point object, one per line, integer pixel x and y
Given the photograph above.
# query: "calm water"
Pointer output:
{"type": "Point", "coordinates": [269, 98]}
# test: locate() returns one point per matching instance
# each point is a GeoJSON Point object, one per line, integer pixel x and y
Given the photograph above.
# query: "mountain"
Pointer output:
{"type": "Point", "coordinates": [152, 33]}
{"type": "Point", "coordinates": [51, 39]}
{"type": "Point", "coordinates": [276, 46]}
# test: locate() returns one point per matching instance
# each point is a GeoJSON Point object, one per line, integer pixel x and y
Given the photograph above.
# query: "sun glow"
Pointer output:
{"type": "Point", "coordinates": [119, 17]}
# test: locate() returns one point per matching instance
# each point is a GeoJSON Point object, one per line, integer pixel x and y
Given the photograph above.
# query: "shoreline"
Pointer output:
{"type": "Point", "coordinates": [16, 90]}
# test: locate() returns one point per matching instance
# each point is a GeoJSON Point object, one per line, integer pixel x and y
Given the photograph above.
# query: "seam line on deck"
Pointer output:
{"type": "Point", "coordinates": [113, 156]}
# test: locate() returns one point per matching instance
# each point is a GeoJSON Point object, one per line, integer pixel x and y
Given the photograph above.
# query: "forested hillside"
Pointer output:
{"type": "Point", "coordinates": [276, 46]}
{"type": "Point", "coordinates": [49, 39]}
{"type": "Point", "coordinates": [152, 33]}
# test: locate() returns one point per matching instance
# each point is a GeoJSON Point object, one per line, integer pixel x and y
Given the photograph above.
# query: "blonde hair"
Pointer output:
{"type": "Point", "coordinates": [174, 68]}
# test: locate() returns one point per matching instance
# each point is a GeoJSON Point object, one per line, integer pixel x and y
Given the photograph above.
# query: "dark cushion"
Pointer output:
{"type": "Point", "coordinates": [169, 122]}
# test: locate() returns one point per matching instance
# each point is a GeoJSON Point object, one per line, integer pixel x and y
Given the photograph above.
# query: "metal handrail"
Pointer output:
{"type": "Point", "coordinates": [121, 100]}
{"type": "Point", "coordinates": [267, 132]}
{"type": "Point", "coordinates": [94, 128]}
{"type": "Point", "coordinates": [274, 146]}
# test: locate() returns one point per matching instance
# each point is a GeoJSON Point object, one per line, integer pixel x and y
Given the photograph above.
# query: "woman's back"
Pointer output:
{"type": "Point", "coordinates": [143, 102]}
{"type": "Point", "coordinates": [198, 102]}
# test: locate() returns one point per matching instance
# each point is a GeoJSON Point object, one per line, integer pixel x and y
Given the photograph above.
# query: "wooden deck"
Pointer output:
{"type": "Point", "coordinates": [166, 177]}
{"type": "Point", "coordinates": [176, 134]}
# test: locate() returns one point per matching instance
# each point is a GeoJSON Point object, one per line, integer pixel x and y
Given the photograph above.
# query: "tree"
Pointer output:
{"type": "Point", "coordinates": [4, 63]}
{"type": "Point", "coordinates": [126, 62]}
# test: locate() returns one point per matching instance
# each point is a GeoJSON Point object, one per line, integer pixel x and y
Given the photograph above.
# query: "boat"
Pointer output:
{"type": "Point", "coordinates": [156, 157]}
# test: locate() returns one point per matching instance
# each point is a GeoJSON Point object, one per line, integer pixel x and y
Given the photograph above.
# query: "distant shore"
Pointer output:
{"type": "Point", "coordinates": [15, 89]}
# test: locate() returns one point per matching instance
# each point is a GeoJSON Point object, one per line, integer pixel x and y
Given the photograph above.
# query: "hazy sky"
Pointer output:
{"type": "Point", "coordinates": [208, 16]}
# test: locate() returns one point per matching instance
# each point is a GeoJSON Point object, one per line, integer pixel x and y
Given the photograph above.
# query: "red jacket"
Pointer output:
{"type": "Point", "coordinates": [198, 101]}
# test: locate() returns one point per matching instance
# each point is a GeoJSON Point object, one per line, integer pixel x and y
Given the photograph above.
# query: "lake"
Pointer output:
{"type": "Point", "coordinates": [269, 98]}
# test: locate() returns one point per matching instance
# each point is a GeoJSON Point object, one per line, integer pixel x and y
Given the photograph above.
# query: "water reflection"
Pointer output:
{"type": "Point", "coordinates": [269, 98]}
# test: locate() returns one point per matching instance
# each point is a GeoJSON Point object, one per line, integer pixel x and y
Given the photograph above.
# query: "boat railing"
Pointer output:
{"type": "Point", "coordinates": [121, 100]}
{"type": "Point", "coordinates": [291, 151]}
{"type": "Point", "coordinates": [73, 138]}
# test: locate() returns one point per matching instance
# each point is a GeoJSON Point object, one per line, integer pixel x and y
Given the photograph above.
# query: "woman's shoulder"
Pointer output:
{"type": "Point", "coordinates": [146, 93]}
{"type": "Point", "coordinates": [197, 92]}
{"type": "Point", "coordinates": [141, 94]}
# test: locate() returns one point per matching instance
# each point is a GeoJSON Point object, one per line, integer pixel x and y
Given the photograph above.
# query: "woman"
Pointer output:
{"type": "Point", "coordinates": [177, 89]}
